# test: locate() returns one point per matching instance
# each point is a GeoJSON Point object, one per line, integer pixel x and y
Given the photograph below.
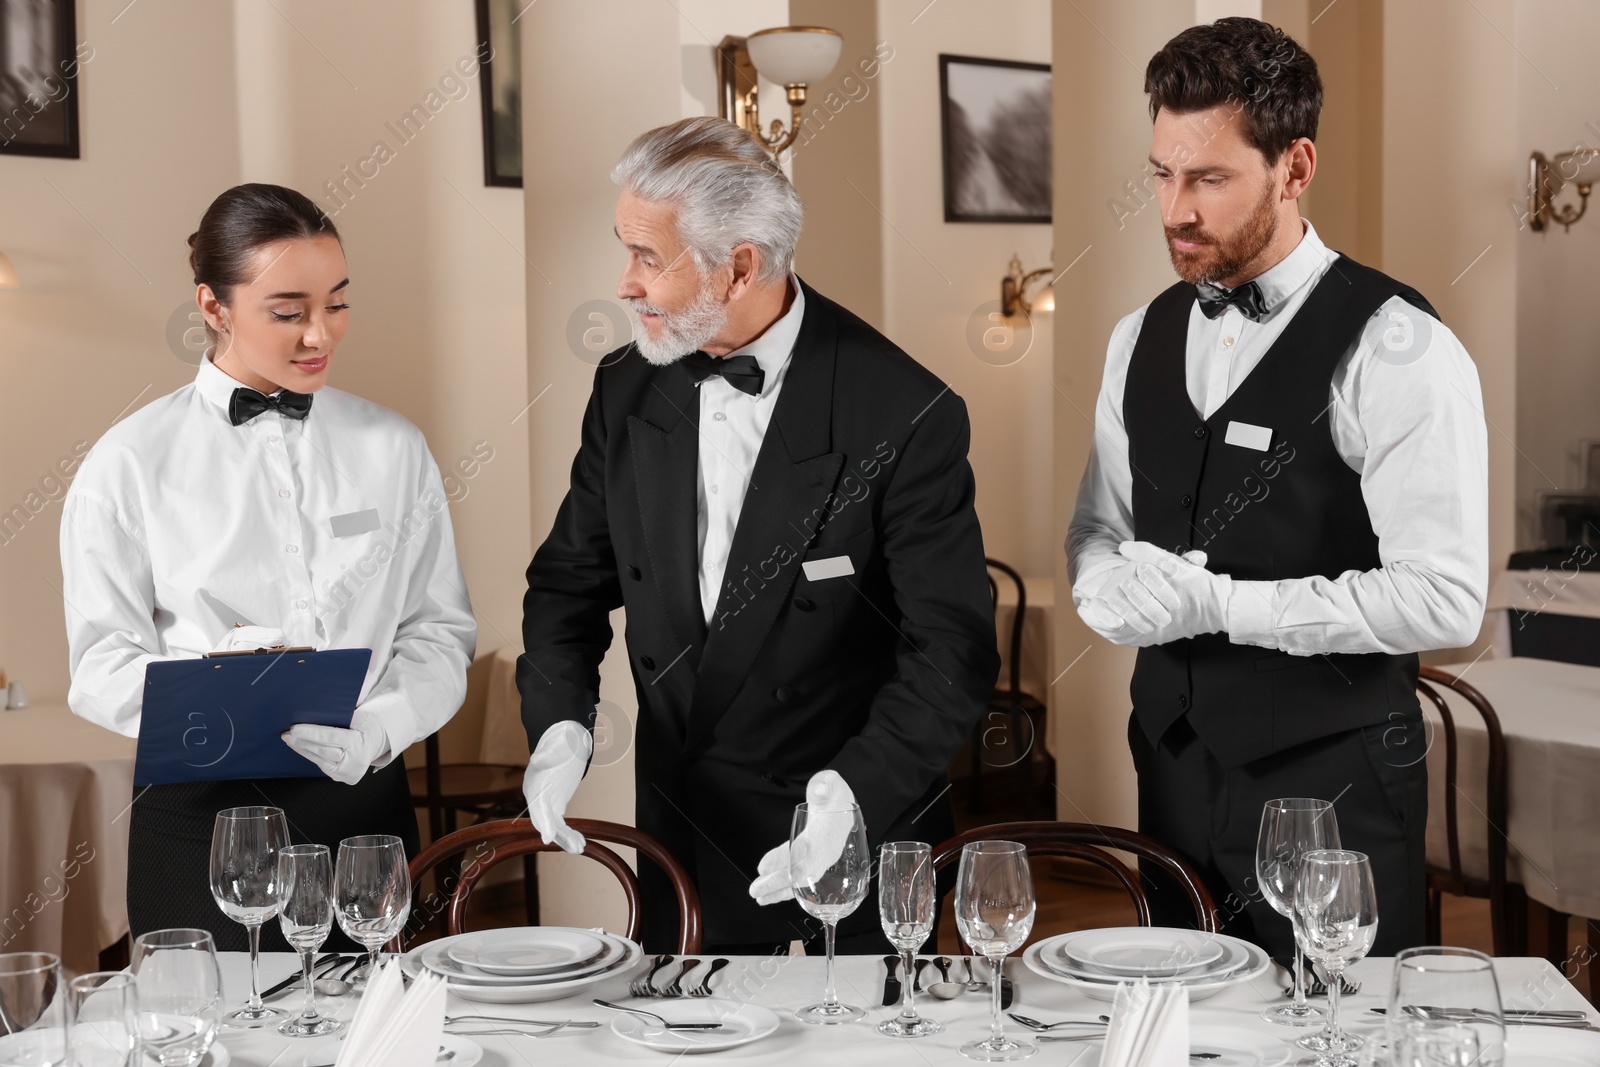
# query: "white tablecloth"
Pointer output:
{"type": "Point", "coordinates": [1550, 714]}
{"type": "Point", "coordinates": [790, 983]}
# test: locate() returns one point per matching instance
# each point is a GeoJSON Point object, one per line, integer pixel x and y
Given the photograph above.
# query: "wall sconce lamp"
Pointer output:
{"type": "Point", "coordinates": [1014, 290]}
{"type": "Point", "coordinates": [1578, 168]}
{"type": "Point", "coordinates": [792, 56]}
{"type": "Point", "coordinates": [8, 274]}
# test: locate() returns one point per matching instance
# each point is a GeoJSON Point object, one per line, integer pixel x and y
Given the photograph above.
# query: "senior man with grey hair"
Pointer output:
{"type": "Point", "coordinates": [781, 499]}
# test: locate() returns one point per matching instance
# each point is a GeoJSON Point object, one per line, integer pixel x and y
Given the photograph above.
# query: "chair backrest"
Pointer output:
{"type": "Point", "coordinates": [1014, 659]}
{"type": "Point", "coordinates": [1495, 797]}
{"type": "Point", "coordinates": [1095, 844]}
{"type": "Point", "coordinates": [495, 842]}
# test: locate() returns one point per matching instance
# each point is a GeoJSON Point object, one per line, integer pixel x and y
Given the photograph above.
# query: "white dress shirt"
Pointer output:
{"type": "Point", "coordinates": [732, 426]}
{"type": "Point", "coordinates": [1406, 414]}
{"type": "Point", "coordinates": [334, 529]}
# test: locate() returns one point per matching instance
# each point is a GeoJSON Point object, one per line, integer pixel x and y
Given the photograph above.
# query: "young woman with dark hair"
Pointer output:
{"type": "Point", "coordinates": [255, 507]}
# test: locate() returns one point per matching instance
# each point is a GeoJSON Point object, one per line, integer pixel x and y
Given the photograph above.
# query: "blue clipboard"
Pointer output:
{"type": "Point", "coordinates": [220, 719]}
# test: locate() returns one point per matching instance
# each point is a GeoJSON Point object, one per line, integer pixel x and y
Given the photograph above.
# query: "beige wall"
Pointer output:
{"type": "Point", "coordinates": [1558, 320]}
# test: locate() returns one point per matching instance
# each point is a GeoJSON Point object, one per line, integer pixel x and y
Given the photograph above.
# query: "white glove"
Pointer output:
{"type": "Point", "coordinates": [248, 637]}
{"type": "Point", "coordinates": [554, 771]}
{"type": "Point", "coordinates": [1168, 597]}
{"type": "Point", "coordinates": [343, 755]}
{"type": "Point", "coordinates": [819, 844]}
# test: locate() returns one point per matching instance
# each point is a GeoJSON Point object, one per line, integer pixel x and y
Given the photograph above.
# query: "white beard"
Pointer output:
{"type": "Point", "coordinates": [681, 332]}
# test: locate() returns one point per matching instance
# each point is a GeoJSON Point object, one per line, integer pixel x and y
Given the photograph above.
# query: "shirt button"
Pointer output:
{"type": "Point", "coordinates": [283, 492]}
{"type": "Point", "coordinates": [1200, 431]}
{"type": "Point", "coordinates": [720, 417]}
{"type": "Point", "coordinates": [293, 550]}
{"type": "Point", "coordinates": [301, 604]}
{"type": "Point", "coordinates": [1227, 342]}
{"type": "Point", "coordinates": [1183, 700]}
{"type": "Point", "coordinates": [713, 489]}
{"type": "Point", "coordinates": [1187, 500]}
{"type": "Point", "coordinates": [272, 438]}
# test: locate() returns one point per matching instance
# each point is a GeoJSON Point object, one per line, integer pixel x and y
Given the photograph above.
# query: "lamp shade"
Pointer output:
{"type": "Point", "coordinates": [8, 273]}
{"type": "Point", "coordinates": [790, 54]}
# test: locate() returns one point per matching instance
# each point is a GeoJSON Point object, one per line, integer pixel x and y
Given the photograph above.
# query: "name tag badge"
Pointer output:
{"type": "Point", "coordinates": [357, 522]}
{"type": "Point", "coordinates": [835, 567]}
{"type": "Point", "coordinates": [1247, 436]}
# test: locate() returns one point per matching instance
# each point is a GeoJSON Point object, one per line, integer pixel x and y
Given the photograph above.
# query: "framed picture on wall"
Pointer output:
{"type": "Point", "coordinates": [39, 78]}
{"type": "Point", "coordinates": [501, 85]}
{"type": "Point", "coordinates": [995, 117]}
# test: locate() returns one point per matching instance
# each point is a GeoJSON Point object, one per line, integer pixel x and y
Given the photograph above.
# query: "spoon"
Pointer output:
{"type": "Point", "coordinates": [944, 989]}
{"type": "Point", "coordinates": [337, 987]}
{"type": "Point", "coordinates": [972, 984]}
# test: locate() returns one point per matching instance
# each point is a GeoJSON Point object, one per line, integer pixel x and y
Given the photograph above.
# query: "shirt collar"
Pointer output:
{"type": "Point", "coordinates": [772, 349]}
{"type": "Point", "coordinates": [1292, 271]}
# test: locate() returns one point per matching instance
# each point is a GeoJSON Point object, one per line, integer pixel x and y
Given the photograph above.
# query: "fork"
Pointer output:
{"type": "Point", "coordinates": [643, 987]}
{"type": "Point", "coordinates": [704, 988]}
{"type": "Point", "coordinates": [675, 988]}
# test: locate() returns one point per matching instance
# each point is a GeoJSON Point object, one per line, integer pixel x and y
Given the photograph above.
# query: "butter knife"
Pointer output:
{"type": "Point", "coordinates": [891, 984]}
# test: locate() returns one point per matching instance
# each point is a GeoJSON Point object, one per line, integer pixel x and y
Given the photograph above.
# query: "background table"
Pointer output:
{"type": "Point", "coordinates": [65, 789]}
{"type": "Point", "coordinates": [785, 984]}
{"type": "Point", "coordinates": [1550, 714]}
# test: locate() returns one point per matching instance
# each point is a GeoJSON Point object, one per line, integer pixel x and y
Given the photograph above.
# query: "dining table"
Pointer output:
{"type": "Point", "coordinates": [786, 983]}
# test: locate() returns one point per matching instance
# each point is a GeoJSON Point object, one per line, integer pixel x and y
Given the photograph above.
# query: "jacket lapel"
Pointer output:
{"type": "Point", "coordinates": [794, 476]}
{"type": "Point", "coordinates": [663, 440]}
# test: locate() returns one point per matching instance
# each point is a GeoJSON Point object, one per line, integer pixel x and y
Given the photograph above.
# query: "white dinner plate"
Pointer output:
{"type": "Point", "coordinates": [1105, 988]}
{"type": "Point", "coordinates": [1232, 1045]}
{"type": "Point", "coordinates": [481, 991]}
{"type": "Point", "coordinates": [435, 956]}
{"type": "Point", "coordinates": [1550, 1046]}
{"type": "Point", "coordinates": [464, 1051]}
{"type": "Point", "coordinates": [1235, 958]}
{"type": "Point", "coordinates": [742, 1023]}
{"type": "Point", "coordinates": [532, 950]}
{"type": "Point", "coordinates": [1142, 950]}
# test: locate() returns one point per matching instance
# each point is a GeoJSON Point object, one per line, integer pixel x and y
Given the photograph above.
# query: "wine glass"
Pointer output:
{"type": "Point", "coordinates": [33, 1010]}
{"type": "Point", "coordinates": [994, 912]}
{"type": "Point", "coordinates": [1443, 989]}
{"type": "Point", "coordinates": [180, 995]}
{"type": "Point", "coordinates": [244, 883]}
{"type": "Point", "coordinates": [906, 905]}
{"type": "Point", "coordinates": [830, 881]}
{"type": "Point", "coordinates": [1337, 908]}
{"type": "Point", "coordinates": [105, 1014]}
{"type": "Point", "coordinates": [1290, 828]}
{"type": "Point", "coordinates": [305, 915]}
{"type": "Point", "coordinates": [372, 893]}
{"type": "Point", "coordinates": [1432, 1043]}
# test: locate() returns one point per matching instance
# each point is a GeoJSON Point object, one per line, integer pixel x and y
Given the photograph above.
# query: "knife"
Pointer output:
{"type": "Point", "coordinates": [891, 984]}
{"type": "Point", "coordinates": [317, 970]}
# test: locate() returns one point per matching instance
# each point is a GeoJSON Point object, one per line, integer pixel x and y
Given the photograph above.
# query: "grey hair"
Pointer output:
{"type": "Point", "coordinates": [728, 190]}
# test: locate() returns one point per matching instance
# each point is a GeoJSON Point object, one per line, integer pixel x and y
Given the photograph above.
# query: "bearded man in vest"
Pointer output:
{"type": "Point", "coordinates": [1285, 502]}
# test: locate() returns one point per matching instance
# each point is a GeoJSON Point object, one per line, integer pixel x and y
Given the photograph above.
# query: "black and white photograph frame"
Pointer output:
{"type": "Point", "coordinates": [501, 91]}
{"type": "Point", "coordinates": [39, 78]}
{"type": "Point", "coordinates": [995, 125]}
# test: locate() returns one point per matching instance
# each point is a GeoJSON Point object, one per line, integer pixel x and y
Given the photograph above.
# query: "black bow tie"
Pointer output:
{"type": "Point", "coordinates": [247, 404]}
{"type": "Point", "coordinates": [1247, 298]}
{"type": "Point", "coordinates": [741, 372]}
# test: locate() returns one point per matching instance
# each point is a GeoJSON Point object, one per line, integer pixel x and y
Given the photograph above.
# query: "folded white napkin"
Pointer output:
{"type": "Point", "coordinates": [395, 1026]}
{"type": "Point", "coordinates": [1149, 1026]}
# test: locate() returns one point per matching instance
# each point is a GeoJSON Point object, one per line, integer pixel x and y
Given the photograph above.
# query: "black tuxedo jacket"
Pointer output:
{"type": "Point", "coordinates": [879, 674]}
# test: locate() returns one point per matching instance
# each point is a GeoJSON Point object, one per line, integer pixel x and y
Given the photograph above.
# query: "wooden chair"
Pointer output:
{"type": "Point", "coordinates": [491, 843]}
{"type": "Point", "coordinates": [1507, 900]}
{"type": "Point", "coordinates": [1010, 700]}
{"type": "Point", "coordinates": [1095, 844]}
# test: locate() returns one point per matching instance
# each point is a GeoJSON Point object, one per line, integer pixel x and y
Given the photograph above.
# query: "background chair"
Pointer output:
{"type": "Point", "coordinates": [1012, 705]}
{"type": "Point", "coordinates": [492, 843]}
{"type": "Point", "coordinates": [1508, 904]}
{"type": "Point", "coordinates": [1097, 845]}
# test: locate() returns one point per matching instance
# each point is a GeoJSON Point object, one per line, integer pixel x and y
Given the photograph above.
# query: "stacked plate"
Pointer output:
{"type": "Point", "coordinates": [524, 965]}
{"type": "Point", "coordinates": [1095, 961]}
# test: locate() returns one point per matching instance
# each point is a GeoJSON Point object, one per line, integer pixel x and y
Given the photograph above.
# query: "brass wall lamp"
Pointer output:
{"type": "Point", "coordinates": [792, 56]}
{"type": "Point", "coordinates": [1014, 290]}
{"type": "Point", "coordinates": [1546, 177]}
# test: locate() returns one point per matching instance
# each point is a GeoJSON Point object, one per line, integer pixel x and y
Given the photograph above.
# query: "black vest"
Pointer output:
{"type": "Point", "coordinates": [1290, 511]}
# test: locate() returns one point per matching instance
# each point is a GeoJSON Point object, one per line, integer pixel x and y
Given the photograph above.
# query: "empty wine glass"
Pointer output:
{"type": "Point", "coordinates": [1338, 919]}
{"type": "Point", "coordinates": [244, 883]}
{"type": "Point", "coordinates": [1290, 828]}
{"type": "Point", "coordinates": [305, 915]}
{"type": "Point", "coordinates": [906, 906]}
{"type": "Point", "coordinates": [180, 995]}
{"type": "Point", "coordinates": [830, 877]}
{"type": "Point", "coordinates": [33, 1010]}
{"type": "Point", "coordinates": [372, 893]}
{"type": "Point", "coordinates": [105, 1019]}
{"type": "Point", "coordinates": [1438, 992]}
{"type": "Point", "coordinates": [994, 912]}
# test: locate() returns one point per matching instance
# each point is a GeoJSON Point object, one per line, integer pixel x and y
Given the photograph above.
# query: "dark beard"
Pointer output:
{"type": "Point", "coordinates": [1228, 257]}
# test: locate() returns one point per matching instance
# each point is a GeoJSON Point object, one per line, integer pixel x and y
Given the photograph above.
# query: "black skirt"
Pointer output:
{"type": "Point", "coordinates": [169, 843]}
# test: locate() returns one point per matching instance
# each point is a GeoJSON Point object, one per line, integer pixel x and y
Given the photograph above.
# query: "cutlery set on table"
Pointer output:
{"type": "Point", "coordinates": [945, 988]}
